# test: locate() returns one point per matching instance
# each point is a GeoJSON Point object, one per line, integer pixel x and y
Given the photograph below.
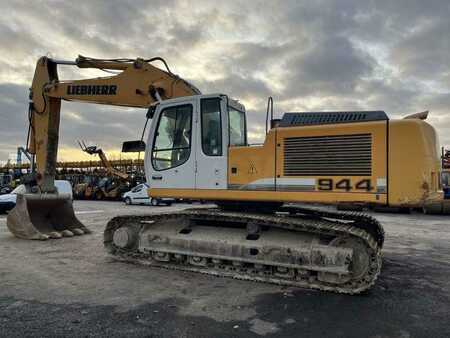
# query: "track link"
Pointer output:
{"type": "Point", "coordinates": [340, 226]}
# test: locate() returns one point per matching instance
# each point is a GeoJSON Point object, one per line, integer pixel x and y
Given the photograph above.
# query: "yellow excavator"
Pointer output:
{"type": "Point", "coordinates": [197, 148]}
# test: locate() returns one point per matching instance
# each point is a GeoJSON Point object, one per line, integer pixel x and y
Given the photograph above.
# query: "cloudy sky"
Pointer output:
{"type": "Point", "coordinates": [309, 55]}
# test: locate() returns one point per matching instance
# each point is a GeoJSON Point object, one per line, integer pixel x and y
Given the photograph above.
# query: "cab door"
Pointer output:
{"type": "Point", "coordinates": [170, 157]}
{"type": "Point", "coordinates": [212, 143]}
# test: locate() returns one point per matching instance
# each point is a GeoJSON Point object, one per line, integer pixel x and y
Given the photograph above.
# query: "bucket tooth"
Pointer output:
{"type": "Point", "coordinates": [67, 233]}
{"type": "Point", "coordinates": [77, 232]}
{"type": "Point", "coordinates": [55, 235]}
{"type": "Point", "coordinates": [44, 216]}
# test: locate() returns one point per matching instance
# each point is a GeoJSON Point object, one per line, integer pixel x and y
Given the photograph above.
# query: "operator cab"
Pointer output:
{"type": "Point", "coordinates": [188, 141]}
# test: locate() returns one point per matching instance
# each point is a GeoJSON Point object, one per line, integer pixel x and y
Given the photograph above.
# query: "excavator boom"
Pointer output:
{"type": "Point", "coordinates": [41, 212]}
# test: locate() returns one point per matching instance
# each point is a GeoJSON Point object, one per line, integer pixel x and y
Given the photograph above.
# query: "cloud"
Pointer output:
{"type": "Point", "coordinates": [100, 124]}
{"type": "Point", "coordinates": [13, 118]}
{"type": "Point", "coordinates": [423, 53]}
{"type": "Point", "coordinates": [332, 66]}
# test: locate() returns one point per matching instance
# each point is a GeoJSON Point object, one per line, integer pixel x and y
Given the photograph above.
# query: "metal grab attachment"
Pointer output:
{"type": "Point", "coordinates": [91, 150]}
{"type": "Point", "coordinates": [44, 216]}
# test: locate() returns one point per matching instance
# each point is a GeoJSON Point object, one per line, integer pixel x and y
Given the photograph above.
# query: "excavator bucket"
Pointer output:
{"type": "Point", "coordinates": [44, 216]}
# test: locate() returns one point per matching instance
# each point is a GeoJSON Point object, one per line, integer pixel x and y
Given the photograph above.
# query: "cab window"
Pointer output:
{"type": "Point", "coordinates": [172, 144]}
{"type": "Point", "coordinates": [237, 132]}
{"type": "Point", "coordinates": [211, 127]}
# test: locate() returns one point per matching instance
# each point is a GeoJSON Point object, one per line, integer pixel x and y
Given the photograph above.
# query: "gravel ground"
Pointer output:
{"type": "Point", "coordinates": [70, 287]}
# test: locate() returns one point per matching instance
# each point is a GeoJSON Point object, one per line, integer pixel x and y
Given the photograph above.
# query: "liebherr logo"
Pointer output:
{"type": "Point", "coordinates": [92, 90]}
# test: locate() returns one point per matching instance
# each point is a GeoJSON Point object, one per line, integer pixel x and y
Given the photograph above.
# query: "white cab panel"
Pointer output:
{"type": "Point", "coordinates": [170, 151]}
{"type": "Point", "coordinates": [211, 151]}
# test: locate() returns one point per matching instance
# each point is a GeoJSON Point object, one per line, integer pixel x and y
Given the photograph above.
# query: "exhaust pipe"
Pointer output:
{"type": "Point", "coordinates": [44, 216]}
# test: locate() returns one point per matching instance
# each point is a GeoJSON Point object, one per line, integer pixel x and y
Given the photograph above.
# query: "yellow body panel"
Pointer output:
{"type": "Point", "coordinates": [252, 163]}
{"type": "Point", "coordinates": [405, 173]}
{"type": "Point", "coordinates": [414, 163]}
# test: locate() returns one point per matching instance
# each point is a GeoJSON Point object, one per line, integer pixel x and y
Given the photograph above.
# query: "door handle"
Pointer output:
{"type": "Point", "coordinates": [156, 177]}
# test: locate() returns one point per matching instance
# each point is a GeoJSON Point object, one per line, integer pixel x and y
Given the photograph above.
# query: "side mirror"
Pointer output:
{"type": "Point", "coordinates": [133, 146]}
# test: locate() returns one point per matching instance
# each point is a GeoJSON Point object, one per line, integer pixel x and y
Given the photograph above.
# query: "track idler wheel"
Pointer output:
{"type": "Point", "coordinates": [359, 265]}
{"type": "Point", "coordinates": [124, 237]}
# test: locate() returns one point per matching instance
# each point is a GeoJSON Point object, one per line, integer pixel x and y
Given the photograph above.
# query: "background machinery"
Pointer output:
{"type": "Point", "coordinates": [30, 158]}
{"type": "Point", "coordinates": [85, 185]}
{"type": "Point", "coordinates": [197, 149]}
{"type": "Point", "coordinates": [110, 170]}
{"type": "Point", "coordinates": [441, 206]}
{"type": "Point", "coordinates": [5, 183]}
{"type": "Point", "coordinates": [445, 158]}
{"type": "Point", "coordinates": [113, 185]}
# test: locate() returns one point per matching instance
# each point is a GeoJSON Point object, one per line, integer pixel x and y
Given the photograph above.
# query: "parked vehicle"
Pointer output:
{"type": "Point", "coordinates": [5, 190]}
{"type": "Point", "coordinates": [8, 201]}
{"type": "Point", "coordinates": [5, 183]}
{"type": "Point", "coordinates": [139, 195]}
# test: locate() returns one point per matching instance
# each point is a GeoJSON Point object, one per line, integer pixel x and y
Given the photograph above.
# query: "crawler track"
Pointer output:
{"type": "Point", "coordinates": [333, 229]}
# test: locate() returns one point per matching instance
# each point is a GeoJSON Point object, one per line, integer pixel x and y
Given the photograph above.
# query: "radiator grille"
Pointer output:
{"type": "Point", "coordinates": [346, 155]}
